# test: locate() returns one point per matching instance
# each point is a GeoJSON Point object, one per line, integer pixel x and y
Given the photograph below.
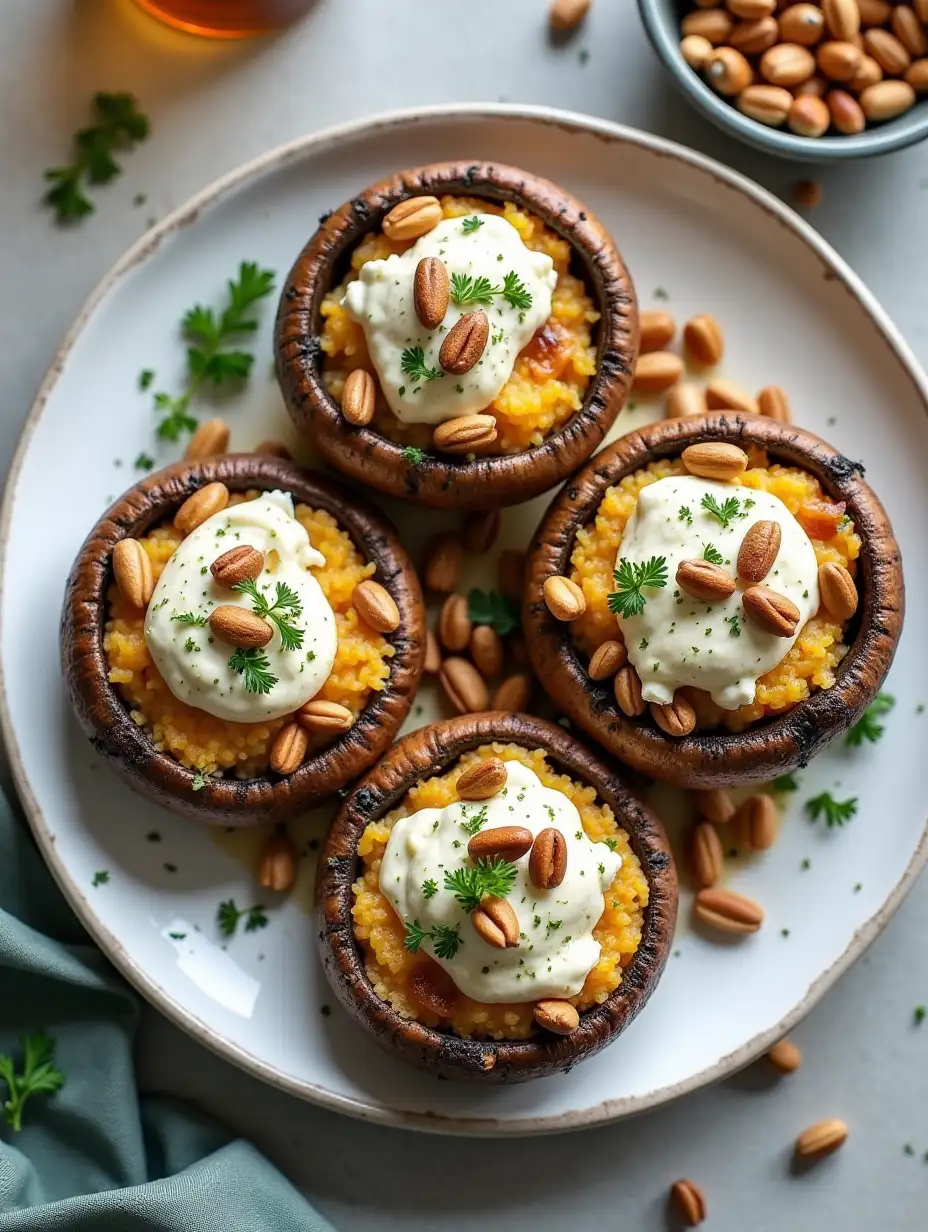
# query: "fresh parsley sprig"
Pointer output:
{"type": "Point", "coordinates": [465, 289]}
{"type": "Point", "coordinates": [38, 1076]}
{"type": "Point", "coordinates": [254, 667]}
{"type": "Point", "coordinates": [786, 782]}
{"type": "Point", "coordinates": [711, 553]}
{"type": "Point", "coordinates": [445, 938]}
{"type": "Point", "coordinates": [412, 361]}
{"type": "Point", "coordinates": [630, 579]}
{"type": "Point", "coordinates": [189, 618]}
{"type": "Point", "coordinates": [494, 877]}
{"type": "Point", "coordinates": [474, 824]}
{"type": "Point", "coordinates": [493, 608]}
{"type": "Point", "coordinates": [835, 812]}
{"type": "Point", "coordinates": [120, 125]}
{"type": "Point", "coordinates": [413, 455]}
{"type": "Point", "coordinates": [471, 224]}
{"type": "Point", "coordinates": [228, 917]}
{"type": "Point", "coordinates": [211, 355]}
{"type": "Point", "coordinates": [868, 726]}
{"type": "Point", "coordinates": [724, 513]}
{"type": "Point", "coordinates": [286, 608]}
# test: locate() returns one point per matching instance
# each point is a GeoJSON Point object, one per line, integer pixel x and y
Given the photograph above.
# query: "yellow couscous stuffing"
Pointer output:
{"type": "Point", "coordinates": [209, 744]}
{"type": "Point", "coordinates": [551, 374]}
{"type": "Point", "coordinates": [380, 931]}
{"type": "Point", "coordinates": [811, 662]}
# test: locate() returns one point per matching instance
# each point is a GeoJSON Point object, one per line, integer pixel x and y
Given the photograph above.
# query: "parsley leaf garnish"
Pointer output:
{"type": "Point", "coordinates": [285, 608]}
{"type": "Point", "coordinates": [189, 618]}
{"type": "Point", "coordinates": [146, 376]}
{"type": "Point", "coordinates": [867, 727]}
{"type": "Point", "coordinates": [101, 877]}
{"type": "Point", "coordinates": [468, 290]}
{"type": "Point", "coordinates": [38, 1076]}
{"type": "Point", "coordinates": [516, 292]}
{"type": "Point", "coordinates": [429, 888]}
{"type": "Point", "coordinates": [835, 812]}
{"type": "Point", "coordinates": [475, 823]}
{"type": "Point", "coordinates": [684, 515]}
{"type": "Point", "coordinates": [470, 225]}
{"type": "Point", "coordinates": [711, 553]}
{"type": "Point", "coordinates": [199, 781]}
{"type": "Point", "coordinates": [228, 917]}
{"type": "Point", "coordinates": [120, 125]}
{"type": "Point", "coordinates": [254, 668]}
{"type": "Point", "coordinates": [493, 608]}
{"type": "Point", "coordinates": [445, 938]}
{"type": "Point", "coordinates": [725, 512]}
{"type": "Point", "coordinates": [144, 462]}
{"type": "Point", "coordinates": [786, 782]}
{"type": "Point", "coordinates": [413, 364]}
{"type": "Point", "coordinates": [734, 625]}
{"type": "Point", "coordinates": [631, 578]}
{"type": "Point", "coordinates": [494, 877]}
{"type": "Point", "coordinates": [208, 355]}
{"type": "Point", "coordinates": [414, 456]}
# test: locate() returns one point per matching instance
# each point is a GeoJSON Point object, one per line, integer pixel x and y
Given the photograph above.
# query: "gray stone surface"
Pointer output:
{"type": "Point", "coordinates": [216, 105]}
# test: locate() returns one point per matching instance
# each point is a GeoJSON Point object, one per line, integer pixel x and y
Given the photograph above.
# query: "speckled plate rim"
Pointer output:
{"type": "Point", "coordinates": [834, 267]}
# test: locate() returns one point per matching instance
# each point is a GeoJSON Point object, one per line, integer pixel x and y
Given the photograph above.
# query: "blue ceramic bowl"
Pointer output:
{"type": "Point", "coordinates": [662, 22]}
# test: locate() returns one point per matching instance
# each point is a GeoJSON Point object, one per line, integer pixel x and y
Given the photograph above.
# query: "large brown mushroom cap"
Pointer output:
{"type": "Point", "coordinates": [429, 751]}
{"type": "Point", "coordinates": [105, 716]}
{"type": "Point", "coordinates": [445, 481]}
{"type": "Point", "coordinates": [772, 746]}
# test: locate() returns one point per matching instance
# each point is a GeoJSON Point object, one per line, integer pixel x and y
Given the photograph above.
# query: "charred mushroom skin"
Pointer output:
{"type": "Point", "coordinates": [772, 746]}
{"type": "Point", "coordinates": [127, 747]}
{"type": "Point", "coordinates": [427, 752]}
{"type": "Point", "coordinates": [444, 481]}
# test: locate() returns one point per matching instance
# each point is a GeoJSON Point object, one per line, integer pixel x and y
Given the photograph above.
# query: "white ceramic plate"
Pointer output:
{"type": "Point", "coordinates": [793, 313]}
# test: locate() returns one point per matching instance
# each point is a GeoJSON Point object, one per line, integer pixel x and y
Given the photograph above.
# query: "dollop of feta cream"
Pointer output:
{"type": "Point", "coordinates": [381, 300]}
{"type": "Point", "coordinates": [193, 662]}
{"type": "Point", "coordinates": [678, 640]}
{"type": "Point", "coordinates": [557, 949]}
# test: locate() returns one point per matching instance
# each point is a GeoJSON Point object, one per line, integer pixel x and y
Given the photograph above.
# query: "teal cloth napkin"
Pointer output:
{"type": "Point", "coordinates": [95, 1156]}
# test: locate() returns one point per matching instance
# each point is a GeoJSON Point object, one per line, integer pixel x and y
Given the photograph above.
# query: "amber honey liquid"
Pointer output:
{"type": "Point", "coordinates": [227, 18]}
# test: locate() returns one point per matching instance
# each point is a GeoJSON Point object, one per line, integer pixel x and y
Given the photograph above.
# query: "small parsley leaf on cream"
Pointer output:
{"type": "Point", "coordinates": [413, 364]}
{"type": "Point", "coordinates": [725, 512]}
{"type": "Point", "coordinates": [711, 553]}
{"type": "Point", "coordinates": [429, 888]}
{"type": "Point", "coordinates": [630, 579]}
{"type": "Point", "coordinates": [255, 669]}
{"type": "Point", "coordinates": [470, 225]}
{"type": "Point", "coordinates": [468, 885]}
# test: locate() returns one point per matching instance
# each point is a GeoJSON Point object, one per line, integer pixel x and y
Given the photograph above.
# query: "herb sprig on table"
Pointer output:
{"type": "Point", "coordinates": [120, 125]}
{"type": "Point", "coordinates": [37, 1076]}
{"type": "Point", "coordinates": [631, 579]}
{"type": "Point", "coordinates": [212, 356]}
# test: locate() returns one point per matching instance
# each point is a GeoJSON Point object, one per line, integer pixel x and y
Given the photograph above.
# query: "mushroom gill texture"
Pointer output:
{"type": "Point", "coordinates": [449, 482]}
{"type": "Point", "coordinates": [127, 747]}
{"type": "Point", "coordinates": [773, 746]}
{"type": "Point", "coordinates": [429, 751]}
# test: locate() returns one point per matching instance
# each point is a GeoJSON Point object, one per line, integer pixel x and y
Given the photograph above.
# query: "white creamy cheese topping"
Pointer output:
{"type": "Point", "coordinates": [557, 949]}
{"type": "Point", "coordinates": [678, 640]}
{"type": "Point", "coordinates": [194, 663]}
{"type": "Point", "coordinates": [381, 300]}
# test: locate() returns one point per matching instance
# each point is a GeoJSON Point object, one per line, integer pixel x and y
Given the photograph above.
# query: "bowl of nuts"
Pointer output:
{"type": "Point", "coordinates": [812, 80]}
